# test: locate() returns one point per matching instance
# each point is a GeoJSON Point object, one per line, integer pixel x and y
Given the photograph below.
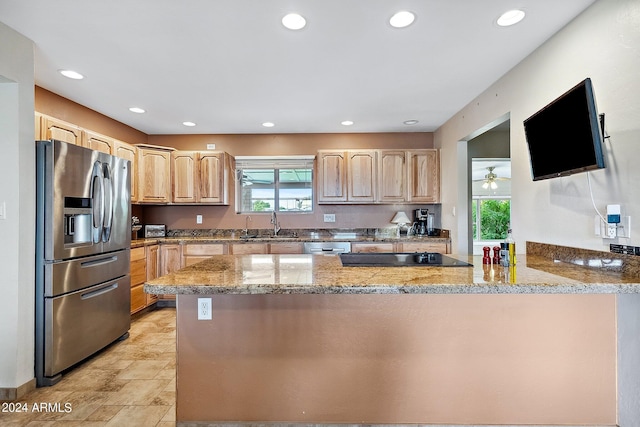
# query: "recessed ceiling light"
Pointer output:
{"type": "Point", "coordinates": [71, 74]}
{"type": "Point", "coordinates": [268, 124]}
{"type": "Point", "coordinates": [402, 19]}
{"type": "Point", "coordinates": [510, 17]}
{"type": "Point", "coordinates": [188, 123]}
{"type": "Point", "coordinates": [137, 110]}
{"type": "Point", "coordinates": [346, 123]}
{"type": "Point", "coordinates": [410, 122]}
{"type": "Point", "coordinates": [294, 21]}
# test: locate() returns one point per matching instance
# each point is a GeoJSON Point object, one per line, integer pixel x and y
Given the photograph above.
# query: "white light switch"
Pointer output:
{"type": "Point", "coordinates": [3, 210]}
{"type": "Point", "coordinates": [329, 217]}
{"type": "Point", "coordinates": [211, 146]}
{"type": "Point", "coordinates": [198, 219]}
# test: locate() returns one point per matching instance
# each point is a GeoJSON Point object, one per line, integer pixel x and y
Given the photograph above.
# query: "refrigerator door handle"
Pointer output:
{"type": "Point", "coordinates": [99, 292]}
{"type": "Point", "coordinates": [108, 203]}
{"type": "Point", "coordinates": [97, 201]}
{"type": "Point", "coordinates": [97, 262]}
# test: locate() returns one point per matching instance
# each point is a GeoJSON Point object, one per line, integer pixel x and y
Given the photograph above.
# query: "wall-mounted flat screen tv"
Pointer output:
{"type": "Point", "coordinates": [564, 137]}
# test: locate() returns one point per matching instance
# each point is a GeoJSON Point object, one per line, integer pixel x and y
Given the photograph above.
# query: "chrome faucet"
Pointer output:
{"type": "Point", "coordinates": [274, 221]}
{"type": "Point", "coordinates": [246, 225]}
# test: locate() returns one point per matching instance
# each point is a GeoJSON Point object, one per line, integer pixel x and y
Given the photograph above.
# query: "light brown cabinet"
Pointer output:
{"type": "Point", "coordinates": [200, 177]}
{"type": "Point", "coordinates": [154, 174]}
{"type": "Point", "coordinates": [152, 253]}
{"type": "Point", "coordinates": [424, 176]}
{"type": "Point", "coordinates": [98, 142]}
{"type": "Point", "coordinates": [392, 176]}
{"type": "Point", "coordinates": [378, 176]}
{"type": "Point", "coordinates": [196, 252]}
{"type": "Point", "coordinates": [366, 247]}
{"type": "Point", "coordinates": [128, 152]}
{"type": "Point", "coordinates": [347, 176]}
{"type": "Point", "coordinates": [170, 261]}
{"type": "Point", "coordinates": [51, 128]}
{"type": "Point", "coordinates": [248, 248]}
{"type": "Point", "coordinates": [138, 276]}
{"type": "Point", "coordinates": [440, 247]}
{"type": "Point", "coordinates": [286, 248]}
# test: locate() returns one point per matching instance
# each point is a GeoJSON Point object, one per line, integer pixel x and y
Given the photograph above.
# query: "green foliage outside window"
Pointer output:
{"type": "Point", "coordinates": [494, 218]}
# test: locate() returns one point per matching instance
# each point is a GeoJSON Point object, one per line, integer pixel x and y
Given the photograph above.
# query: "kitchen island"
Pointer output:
{"type": "Point", "coordinates": [302, 339]}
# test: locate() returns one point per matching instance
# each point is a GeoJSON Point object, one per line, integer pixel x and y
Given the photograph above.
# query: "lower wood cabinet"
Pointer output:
{"type": "Point", "coordinates": [194, 253]}
{"type": "Point", "coordinates": [153, 268]}
{"type": "Point", "coordinates": [170, 261]}
{"type": "Point", "coordinates": [286, 248]}
{"type": "Point", "coordinates": [248, 248]}
{"type": "Point", "coordinates": [440, 247]}
{"type": "Point", "coordinates": [138, 277]}
{"type": "Point", "coordinates": [372, 247]}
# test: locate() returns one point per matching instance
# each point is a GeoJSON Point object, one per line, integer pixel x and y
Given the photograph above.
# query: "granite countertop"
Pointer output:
{"type": "Point", "coordinates": [288, 237]}
{"type": "Point", "coordinates": [324, 274]}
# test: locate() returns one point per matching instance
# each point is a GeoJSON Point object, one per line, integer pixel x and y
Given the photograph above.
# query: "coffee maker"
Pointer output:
{"type": "Point", "coordinates": [423, 225]}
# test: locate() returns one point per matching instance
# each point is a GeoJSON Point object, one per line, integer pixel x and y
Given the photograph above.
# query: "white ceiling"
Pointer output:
{"type": "Point", "coordinates": [229, 65]}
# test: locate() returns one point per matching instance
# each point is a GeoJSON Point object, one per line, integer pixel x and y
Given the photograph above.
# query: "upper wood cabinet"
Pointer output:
{"type": "Point", "coordinates": [392, 176]}
{"type": "Point", "coordinates": [200, 177]}
{"type": "Point", "coordinates": [424, 176]}
{"type": "Point", "coordinates": [51, 128]}
{"type": "Point", "coordinates": [98, 142]}
{"type": "Point", "coordinates": [154, 174]}
{"type": "Point", "coordinates": [347, 176]}
{"type": "Point", "coordinates": [128, 152]}
{"type": "Point", "coordinates": [378, 176]}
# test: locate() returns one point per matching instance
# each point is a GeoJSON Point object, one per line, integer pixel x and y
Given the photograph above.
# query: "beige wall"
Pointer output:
{"type": "Point", "coordinates": [602, 43]}
{"type": "Point", "coordinates": [426, 359]}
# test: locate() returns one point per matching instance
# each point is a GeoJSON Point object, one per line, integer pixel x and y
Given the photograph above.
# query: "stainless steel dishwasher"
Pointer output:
{"type": "Point", "coordinates": [327, 248]}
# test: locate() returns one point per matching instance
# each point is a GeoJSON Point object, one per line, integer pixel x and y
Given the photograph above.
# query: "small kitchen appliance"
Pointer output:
{"type": "Point", "coordinates": [424, 223]}
{"type": "Point", "coordinates": [155, 230]}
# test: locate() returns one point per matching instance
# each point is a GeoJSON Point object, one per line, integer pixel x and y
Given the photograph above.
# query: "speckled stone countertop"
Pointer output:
{"type": "Point", "coordinates": [299, 235]}
{"type": "Point", "coordinates": [324, 274]}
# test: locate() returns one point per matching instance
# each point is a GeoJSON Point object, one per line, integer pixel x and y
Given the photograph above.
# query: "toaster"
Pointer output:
{"type": "Point", "coordinates": [155, 230]}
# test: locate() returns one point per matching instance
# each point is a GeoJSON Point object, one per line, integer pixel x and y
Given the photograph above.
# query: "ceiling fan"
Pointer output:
{"type": "Point", "coordinates": [489, 181]}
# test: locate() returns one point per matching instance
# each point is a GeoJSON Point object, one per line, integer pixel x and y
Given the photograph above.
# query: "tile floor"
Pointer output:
{"type": "Point", "coordinates": [130, 383]}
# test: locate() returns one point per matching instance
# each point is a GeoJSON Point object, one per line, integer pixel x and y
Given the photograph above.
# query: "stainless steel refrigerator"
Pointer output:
{"type": "Point", "coordinates": [83, 238]}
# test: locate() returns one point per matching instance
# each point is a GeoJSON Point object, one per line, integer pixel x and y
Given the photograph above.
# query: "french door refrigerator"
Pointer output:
{"type": "Point", "coordinates": [83, 238]}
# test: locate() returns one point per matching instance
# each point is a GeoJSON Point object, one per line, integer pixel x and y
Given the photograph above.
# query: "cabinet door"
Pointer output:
{"type": "Point", "coordinates": [212, 185]}
{"type": "Point", "coordinates": [38, 128]}
{"type": "Point", "coordinates": [248, 248]}
{"type": "Point", "coordinates": [138, 276]}
{"type": "Point", "coordinates": [392, 176]}
{"type": "Point", "coordinates": [194, 253]}
{"type": "Point", "coordinates": [361, 173]}
{"type": "Point", "coordinates": [60, 130]}
{"type": "Point", "coordinates": [153, 268]}
{"type": "Point", "coordinates": [170, 261]}
{"type": "Point", "coordinates": [154, 176]}
{"type": "Point", "coordinates": [98, 142]}
{"type": "Point", "coordinates": [332, 177]}
{"type": "Point", "coordinates": [424, 176]}
{"type": "Point", "coordinates": [184, 176]}
{"type": "Point", "coordinates": [128, 152]}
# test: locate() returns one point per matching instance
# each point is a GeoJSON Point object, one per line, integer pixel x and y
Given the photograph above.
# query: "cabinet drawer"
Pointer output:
{"type": "Point", "coordinates": [248, 248]}
{"type": "Point", "coordinates": [138, 298]}
{"type": "Point", "coordinates": [372, 247]}
{"type": "Point", "coordinates": [138, 253]}
{"type": "Point", "coordinates": [285, 248]}
{"type": "Point", "coordinates": [138, 271]}
{"type": "Point", "coordinates": [203, 249]}
{"type": "Point", "coordinates": [442, 248]}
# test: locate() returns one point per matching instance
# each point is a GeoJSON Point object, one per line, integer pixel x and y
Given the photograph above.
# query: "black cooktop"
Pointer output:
{"type": "Point", "coordinates": [419, 259]}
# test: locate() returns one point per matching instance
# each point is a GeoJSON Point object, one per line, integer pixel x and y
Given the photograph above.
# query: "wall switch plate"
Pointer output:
{"type": "Point", "coordinates": [3, 210]}
{"type": "Point", "coordinates": [204, 308]}
{"type": "Point", "coordinates": [198, 219]}
{"type": "Point", "coordinates": [624, 228]}
{"type": "Point", "coordinates": [329, 217]}
{"type": "Point", "coordinates": [211, 146]}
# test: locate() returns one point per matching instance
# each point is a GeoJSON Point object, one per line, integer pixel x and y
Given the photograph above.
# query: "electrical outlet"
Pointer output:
{"type": "Point", "coordinates": [211, 146]}
{"type": "Point", "coordinates": [611, 231]}
{"type": "Point", "coordinates": [329, 217]}
{"type": "Point", "coordinates": [198, 219]}
{"type": "Point", "coordinates": [204, 308]}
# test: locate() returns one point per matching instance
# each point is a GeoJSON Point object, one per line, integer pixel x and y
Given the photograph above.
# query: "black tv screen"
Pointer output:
{"type": "Point", "coordinates": [564, 137]}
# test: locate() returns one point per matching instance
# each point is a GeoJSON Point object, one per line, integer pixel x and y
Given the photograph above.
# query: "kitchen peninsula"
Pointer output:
{"type": "Point", "coordinates": [302, 339]}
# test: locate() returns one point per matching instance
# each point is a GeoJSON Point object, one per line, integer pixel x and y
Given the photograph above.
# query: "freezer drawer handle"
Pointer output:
{"type": "Point", "coordinates": [99, 292]}
{"type": "Point", "coordinates": [100, 261]}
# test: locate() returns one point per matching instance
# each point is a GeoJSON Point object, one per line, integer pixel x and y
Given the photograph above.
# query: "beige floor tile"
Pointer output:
{"type": "Point", "coordinates": [130, 383]}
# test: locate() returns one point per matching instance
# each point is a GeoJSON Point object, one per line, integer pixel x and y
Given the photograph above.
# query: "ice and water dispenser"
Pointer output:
{"type": "Point", "coordinates": [78, 220]}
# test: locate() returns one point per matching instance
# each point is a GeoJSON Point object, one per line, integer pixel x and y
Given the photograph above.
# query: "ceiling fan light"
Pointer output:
{"type": "Point", "coordinates": [493, 185]}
